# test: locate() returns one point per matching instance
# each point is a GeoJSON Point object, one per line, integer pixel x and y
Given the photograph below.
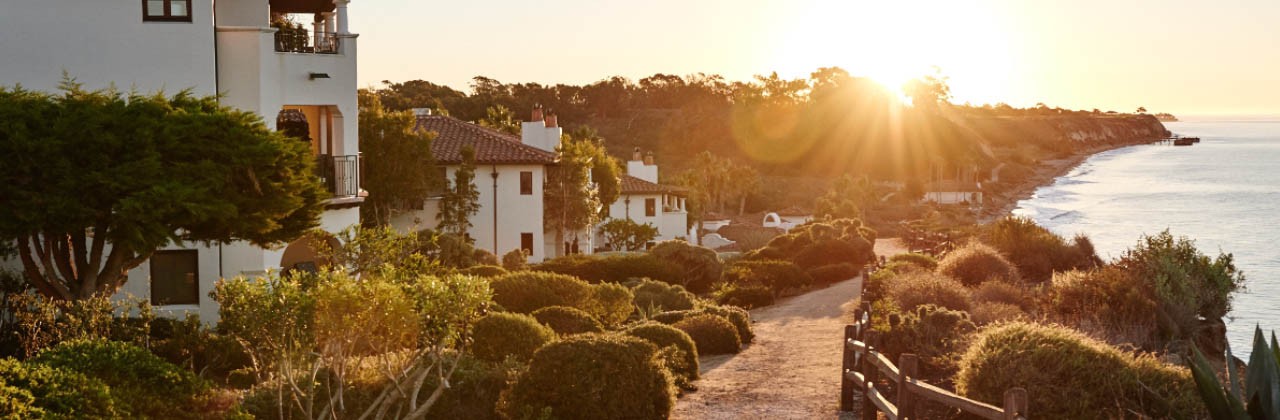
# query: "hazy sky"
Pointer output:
{"type": "Point", "coordinates": [1181, 56]}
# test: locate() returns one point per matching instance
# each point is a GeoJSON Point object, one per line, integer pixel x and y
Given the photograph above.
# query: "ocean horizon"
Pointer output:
{"type": "Point", "coordinates": [1224, 193]}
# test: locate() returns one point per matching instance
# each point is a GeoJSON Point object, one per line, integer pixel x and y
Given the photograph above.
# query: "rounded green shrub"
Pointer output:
{"type": "Point", "coordinates": [932, 332]}
{"type": "Point", "coordinates": [611, 303]}
{"type": "Point", "coordinates": [740, 318]}
{"type": "Point", "coordinates": [31, 390]}
{"type": "Point", "coordinates": [975, 263]}
{"type": "Point", "coordinates": [592, 377]}
{"type": "Point", "coordinates": [1036, 251]}
{"type": "Point", "coordinates": [779, 276]}
{"type": "Point", "coordinates": [923, 261]}
{"type": "Point", "coordinates": [503, 334]}
{"type": "Point", "coordinates": [671, 317]}
{"type": "Point", "coordinates": [140, 383]}
{"type": "Point", "coordinates": [1069, 375]}
{"type": "Point", "coordinates": [613, 268]}
{"type": "Point", "coordinates": [699, 266]}
{"type": "Point", "coordinates": [833, 273]}
{"type": "Point", "coordinates": [567, 321]}
{"type": "Point", "coordinates": [916, 288]}
{"type": "Point", "coordinates": [658, 295]}
{"type": "Point", "coordinates": [485, 271]}
{"type": "Point", "coordinates": [745, 296]}
{"type": "Point", "coordinates": [711, 334]}
{"type": "Point", "coordinates": [684, 362]}
{"type": "Point", "coordinates": [1001, 292]}
{"type": "Point", "coordinates": [528, 291]}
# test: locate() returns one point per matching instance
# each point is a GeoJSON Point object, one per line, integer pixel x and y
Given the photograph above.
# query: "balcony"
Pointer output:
{"type": "Point", "coordinates": [340, 174]}
{"type": "Point", "coordinates": [298, 40]}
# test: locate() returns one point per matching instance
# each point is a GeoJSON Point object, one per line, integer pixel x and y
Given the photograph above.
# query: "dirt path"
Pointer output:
{"type": "Point", "coordinates": [791, 371]}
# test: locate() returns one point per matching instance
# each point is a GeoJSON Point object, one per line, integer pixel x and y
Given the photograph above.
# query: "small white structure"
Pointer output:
{"type": "Point", "coordinates": [786, 219]}
{"type": "Point", "coordinates": [301, 82]}
{"type": "Point", "coordinates": [644, 201]}
{"type": "Point", "coordinates": [715, 241]}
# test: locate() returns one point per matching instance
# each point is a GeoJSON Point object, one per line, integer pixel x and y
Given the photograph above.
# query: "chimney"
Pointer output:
{"type": "Point", "coordinates": [648, 158]}
{"type": "Point", "coordinates": [635, 155]}
{"type": "Point", "coordinates": [421, 112]}
{"type": "Point", "coordinates": [537, 113]}
{"type": "Point", "coordinates": [551, 121]}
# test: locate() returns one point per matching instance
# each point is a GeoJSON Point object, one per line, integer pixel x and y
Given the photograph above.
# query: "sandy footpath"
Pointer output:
{"type": "Point", "coordinates": [791, 371]}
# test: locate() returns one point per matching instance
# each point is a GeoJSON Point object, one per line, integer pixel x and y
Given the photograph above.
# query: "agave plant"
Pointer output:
{"type": "Point", "coordinates": [1260, 398]}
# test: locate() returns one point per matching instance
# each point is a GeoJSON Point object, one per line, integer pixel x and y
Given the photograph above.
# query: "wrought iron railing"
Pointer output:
{"type": "Point", "coordinates": [299, 40]}
{"type": "Point", "coordinates": [340, 174]}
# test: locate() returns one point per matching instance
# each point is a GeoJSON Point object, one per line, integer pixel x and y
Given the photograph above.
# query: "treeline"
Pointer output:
{"type": "Point", "coordinates": [828, 123]}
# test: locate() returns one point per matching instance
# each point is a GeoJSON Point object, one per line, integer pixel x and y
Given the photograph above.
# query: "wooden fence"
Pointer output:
{"type": "Point", "coordinates": [863, 367]}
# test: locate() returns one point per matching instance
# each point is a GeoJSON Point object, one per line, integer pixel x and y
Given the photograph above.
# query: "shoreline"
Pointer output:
{"type": "Point", "coordinates": [1003, 204]}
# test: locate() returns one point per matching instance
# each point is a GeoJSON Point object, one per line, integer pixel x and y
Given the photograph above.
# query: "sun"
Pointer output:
{"type": "Point", "coordinates": [893, 42]}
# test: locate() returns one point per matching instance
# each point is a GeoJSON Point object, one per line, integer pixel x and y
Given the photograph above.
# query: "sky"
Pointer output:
{"type": "Point", "coordinates": [1181, 56]}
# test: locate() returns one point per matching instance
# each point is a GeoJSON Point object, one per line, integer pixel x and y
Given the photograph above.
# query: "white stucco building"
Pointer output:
{"type": "Point", "coordinates": [953, 184]}
{"type": "Point", "coordinates": [645, 201]}
{"type": "Point", "coordinates": [300, 80]}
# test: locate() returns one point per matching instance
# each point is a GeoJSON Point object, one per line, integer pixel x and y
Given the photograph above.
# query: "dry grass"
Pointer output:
{"type": "Point", "coordinates": [915, 288]}
{"type": "Point", "coordinates": [975, 263]}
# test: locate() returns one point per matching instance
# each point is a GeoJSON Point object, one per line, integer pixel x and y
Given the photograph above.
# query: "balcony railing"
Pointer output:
{"type": "Point", "coordinates": [298, 40]}
{"type": "Point", "coordinates": [340, 174]}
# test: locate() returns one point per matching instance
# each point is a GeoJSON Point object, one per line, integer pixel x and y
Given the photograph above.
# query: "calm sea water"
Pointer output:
{"type": "Point", "coordinates": [1223, 192]}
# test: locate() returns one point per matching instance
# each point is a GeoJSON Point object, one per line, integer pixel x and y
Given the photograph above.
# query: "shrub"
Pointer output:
{"type": "Point", "coordinates": [779, 276]}
{"type": "Point", "coordinates": [592, 377]}
{"type": "Point", "coordinates": [140, 383]}
{"type": "Point", "coordinates": [31, 390]}
{"type": "Point", "coordinates": [739, 317]}
{"type": "Point", "coordinates": [931, 332]}
{"type": "Point", "coordinates": [712, 334]}
{"type": "Point", "coordinates": [516, 260]}
{"type": "Point", "coordinates": [976, 263]}
{"type": "Point", "coordinates": [1069, 375]}
{"type": "Point", "coordinates": [473, 390]}
{"type": "Point", "coordinates": [188, 343]}
{"type": "Point", "coordinates": [1036, 251]}
{"type": "Point", "coordinates": [1000, 292]}
{"type": "Point", "coordinates": [613, 268]}
{"type": "Point", "coordinates": [833, 273]}
{"type": "Point", "coordinates": [656, 294]}
{"type": "Point", "coordinates": [683, 363]}
{"type": "Point", "coordinates": [567, 321]}
{"type": "Point", "coordinates": [485, 271]}
{"type": "Point", "coordinates": [528, 291]}
{"type": "Point", "coordinates": [611, 303]}
{"type": "Point", "coordinates": [745, 296]}
{"type": "Point", "coordinates": [502, 334]}
{"type": "Point", "coordinates": [924, 261]}
{"type": "Point", "coordinates": [918, 288]}
{"type": "Point", "coordinates": [671, 317]}
{"type": "Point", "coordinates": [1187, 283]}
{"type": "Point", "coordinates": [1108, 302]}
{"type": "Point", "coordinates": [817, 244]}
{"type": "Point", "coordinates": [874, 285]}
{"type": "Point", "coordinates": [988, 312]}
{"type": "Point", "coordinates": [699, 266]}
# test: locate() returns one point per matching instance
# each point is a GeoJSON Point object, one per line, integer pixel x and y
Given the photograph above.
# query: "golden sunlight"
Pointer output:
{"type": "Point", "coordinates": [895, 41]}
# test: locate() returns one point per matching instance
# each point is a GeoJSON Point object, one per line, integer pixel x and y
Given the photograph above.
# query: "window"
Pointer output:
{"type": "Point", "coordinates": [526, 183]}
{"type": "Point", "coordinates": [437, 189]}
{"type": "Point", "coordinates": [526, 242]}
{"type": "Point", "coordinates": [650, 207]}
{"type": "Point", "coordinates": [166, 10]}
{"type": "Point", "coordinates": [174, 279]}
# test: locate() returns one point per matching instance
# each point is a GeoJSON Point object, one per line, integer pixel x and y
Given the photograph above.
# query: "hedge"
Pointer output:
{"type": "Point", "coordinates": [684, 363]}
{"type": "Point", "coordinates": [567, 321]}
{"type": "Point", "coordinates": [141, 384]}
{"type": "Point", "coordinates": [712, 334]}
{"type": "Point", "coordinates": [592, 377]}
{"type": "Point", "coordinates": [499, 335]}
{"type": "Point", "coordinates": [528, 291]}
{"type": "Point", "coordinates": [613, 268]}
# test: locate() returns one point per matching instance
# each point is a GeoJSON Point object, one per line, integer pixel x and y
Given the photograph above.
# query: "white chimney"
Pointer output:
{"type": "Point", "coordinates": [643, 168]}
{"type": "Point", "coordinates": [543, 132]}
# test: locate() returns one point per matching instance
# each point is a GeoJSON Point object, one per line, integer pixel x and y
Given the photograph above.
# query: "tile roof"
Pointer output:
{"type": "Point", "coordinates": [633, 185]}
{"type": "Point", "coordinates": [491, 146]}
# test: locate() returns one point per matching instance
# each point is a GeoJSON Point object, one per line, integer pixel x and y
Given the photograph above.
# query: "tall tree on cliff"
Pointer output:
{"type": "Point", "coordinates": [140, 172]}
{"type": "Point", "coordinates": [461, 197]}
{"type": "Point", "coordinates": [398, 168]}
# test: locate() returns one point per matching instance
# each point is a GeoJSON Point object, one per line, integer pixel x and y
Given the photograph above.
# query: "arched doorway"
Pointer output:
{"type": "Point", "coordinates": [303, 255]}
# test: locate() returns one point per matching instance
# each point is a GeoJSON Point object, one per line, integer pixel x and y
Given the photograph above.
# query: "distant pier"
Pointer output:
{"type": "Point", "coordinates": [1178, 141]}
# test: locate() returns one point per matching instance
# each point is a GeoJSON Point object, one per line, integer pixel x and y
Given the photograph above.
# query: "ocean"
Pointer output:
{"type": "Point", "coordinates": [1223, 192]}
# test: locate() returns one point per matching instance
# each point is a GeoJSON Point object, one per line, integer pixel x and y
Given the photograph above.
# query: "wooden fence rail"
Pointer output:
{"type": "Point", "coordinates": [863, 367]}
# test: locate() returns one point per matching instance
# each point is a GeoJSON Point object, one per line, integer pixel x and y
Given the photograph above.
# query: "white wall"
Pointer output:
{"type": "Point", "coordinates": [953, 197]}
{"type": "Point", "coordinates": [671, 225]}
{"type": "Point", "coordinates": [638, 169]}
{"type": "Point", "coordinates": [101, 42]}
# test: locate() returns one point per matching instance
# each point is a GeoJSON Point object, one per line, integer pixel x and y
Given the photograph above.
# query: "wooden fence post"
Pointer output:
{"type": "Point", "coordinates": [1015, 404]}
{"type": "Point", "coordinates": [846, 385]}
{"type": "Point", "coordinates": [907, 365]}
{"type": "Point", "coordinates": [869, 372]}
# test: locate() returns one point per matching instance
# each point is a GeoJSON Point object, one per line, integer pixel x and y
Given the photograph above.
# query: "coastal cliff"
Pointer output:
{"type": "Point", "coordinates": [1068, 133]}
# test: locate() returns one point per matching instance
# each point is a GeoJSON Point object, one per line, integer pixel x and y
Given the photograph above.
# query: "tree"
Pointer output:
{"type": "Point", "coordinates": [849, 197]}
{"type": "Point", "coordinates": [627, 235]}
{"type": "Point", "coordinates": [461, 198]}
{"type": "Point", "coordinates": [1142, 110]}
{"type": "Point", "coordinates": [605, 169]}
{"type": "Point", "coordinates": [398, 168]}
{"type": "Point", "coordinates": [571, 202]}
{"type": "Point", "coordinates": [500, 118]}
{"type": "Point", "coordinates": [140, 172]}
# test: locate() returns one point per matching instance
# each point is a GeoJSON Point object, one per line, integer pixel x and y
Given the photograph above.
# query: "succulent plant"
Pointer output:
{"type": "Point", "coordinates": [1260, 398]}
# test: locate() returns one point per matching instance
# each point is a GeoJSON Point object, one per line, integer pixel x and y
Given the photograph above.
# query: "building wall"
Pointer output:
{"type": "Point", "coordinates": [515, 213]}
{"type": "Point", "coordinates": [953, 197]}
{"type": "Point", "coordinates": [105, 42]}
{"type": "Point", "coordinates": [671, 225]}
